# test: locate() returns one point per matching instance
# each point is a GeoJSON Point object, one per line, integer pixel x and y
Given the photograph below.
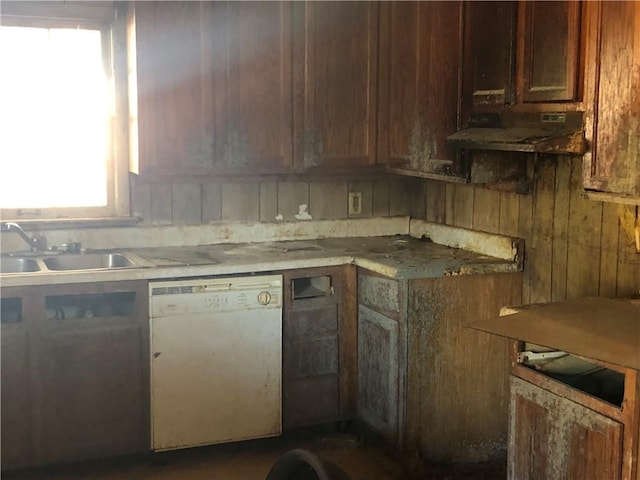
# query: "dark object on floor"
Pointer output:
{"type": "Point", "coordinates": [304, 465]}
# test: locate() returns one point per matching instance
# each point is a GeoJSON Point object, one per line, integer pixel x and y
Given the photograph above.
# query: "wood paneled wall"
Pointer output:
{"type": "Point", "coordinates": [194, 203]}
{"type": "Point", "coordinates": [574, 246]}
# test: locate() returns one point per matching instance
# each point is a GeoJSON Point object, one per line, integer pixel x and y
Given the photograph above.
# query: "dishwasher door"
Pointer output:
{"type": "Point", "coordinates": [216, 361]}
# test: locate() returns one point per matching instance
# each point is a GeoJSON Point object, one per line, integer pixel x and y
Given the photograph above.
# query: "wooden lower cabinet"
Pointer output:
{"type": "Point", "coordinates": [552, 437]}
{"type": "Point", "coordinates": [425, 383]}
{"type": "Point", "coordinates": [75, 374]}
{"type": "Point", "coordinates": [381, 354]}
{"type": "Point", "coordinates": [16, 382]}
{"type": "Point", "coordinates": [318, 354]}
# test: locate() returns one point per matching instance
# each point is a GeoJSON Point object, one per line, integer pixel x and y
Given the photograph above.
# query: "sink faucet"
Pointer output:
{"type": "Point", "coordinates": [35, 243]}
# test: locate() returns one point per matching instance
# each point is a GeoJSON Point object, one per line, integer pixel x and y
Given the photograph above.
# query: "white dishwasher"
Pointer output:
{"type": "Point", "coordinates": [216, 360]}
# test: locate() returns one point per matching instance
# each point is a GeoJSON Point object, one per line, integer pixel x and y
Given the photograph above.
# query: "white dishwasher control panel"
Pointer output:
{"type": "Point", "coordinates": [214, 295]}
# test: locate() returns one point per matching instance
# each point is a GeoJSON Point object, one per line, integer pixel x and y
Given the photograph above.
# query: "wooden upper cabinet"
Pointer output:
{"type": "Point", "coordinates": [523, 56]}
{"type": "Point", "coordinates": [489, 57]}
{"type": "Point", "coordinates": [339, 83]}
{"type": "Point", "coordinates": [613, 116]}
{"type": "Point", "coordinates": [249, 61]}
{"type": "Point", "coordinates": [213, 87]}
{"type": "Point", "coordinates": [551, 37]}
{"type": "Point", "coordinates": [418, 89]}
{"type": "Point", "coordinates": [167, 99]}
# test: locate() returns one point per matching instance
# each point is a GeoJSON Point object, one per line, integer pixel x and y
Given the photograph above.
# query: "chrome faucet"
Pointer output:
{"type": "Point", "coordinates": [35, 243]}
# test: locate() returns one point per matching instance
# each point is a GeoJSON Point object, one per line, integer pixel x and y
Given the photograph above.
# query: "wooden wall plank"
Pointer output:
{"type": "Point", "coordinates": [628, 280]}
{"type": "Point", "coordinates": [560, 248]}
{"type": "Point", "coordinates": [328, 200]}
{"type": "Point", "coordinates": [161, 203]}
{"type": "Point", "coordinates": [540, 245]}
{"type": "Point", "coordinates": [268, 201]}
{"type": "Point", "coordinates": [585, 224]}
{"type": "Point", "coordinates": [524, 231]}
{"type": "Point", "coordinates": [186, 203]}
{"type": "Point", "coordinates": [211, 203]}
{"type": "Point", "coordinates": [419, 198]}
{"type": "Point", "coordinates": [400, 196]}
{"type": "Point", "coordinates": [486, 216]}
{"type": "Point", "coordinates": [240, 202]}
{"type": "Point", "coordinates": [449, 214]}
{"type": "Point", "coordinates": [380, 202]}
{"type": "Point", "coordinates": [509, 213]}
{"type": "Point", "coordinates": [366, 189]}
{"type": "Point", "coordinates": [463, 206]}
{"type": "Point", "coordinates": [436, 201]}
{"type": "Point", "coordinates": [140, 199]}
{"type": "Point", "coordinates": [609, 250]}
{"type": "Point", "coordinates": [290, 196]}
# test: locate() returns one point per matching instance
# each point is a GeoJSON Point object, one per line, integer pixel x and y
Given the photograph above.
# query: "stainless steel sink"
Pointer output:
{"type": "Point", "coordinates": [89, 261]}
{"type": "Point", "coordinates": [18, 265]}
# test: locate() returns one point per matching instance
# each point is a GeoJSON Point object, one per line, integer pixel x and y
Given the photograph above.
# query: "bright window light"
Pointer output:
{"type": "Point", "coordinates": [54, 118]}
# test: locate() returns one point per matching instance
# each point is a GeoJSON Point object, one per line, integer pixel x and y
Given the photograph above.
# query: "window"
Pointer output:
{"type": "Point", "coordinates": [63, 152]}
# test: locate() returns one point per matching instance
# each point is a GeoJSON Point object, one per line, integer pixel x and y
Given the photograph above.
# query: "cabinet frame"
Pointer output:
{"type": "Point", "coordinates": [45, 446]}
{"type": "Point", "coordinates": [628, 414]}
{"type": "Point", "coordinates": [615, 142]}
{"type": "Point", "coordinates": [346, 332]}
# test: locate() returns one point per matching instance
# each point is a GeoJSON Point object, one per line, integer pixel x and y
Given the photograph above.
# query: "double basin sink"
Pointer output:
{"type": "Point", "coordinates": [66, 262]}
{"type": "Point", "coordinates": [33, 262]}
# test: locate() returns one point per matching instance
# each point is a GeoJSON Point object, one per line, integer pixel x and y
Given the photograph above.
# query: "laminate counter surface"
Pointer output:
{"type": "Point", "coordinates": [397, 256]}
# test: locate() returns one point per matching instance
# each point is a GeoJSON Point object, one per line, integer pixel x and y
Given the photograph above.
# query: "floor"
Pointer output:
{"type": "Point", "coordinates": [251, 460]}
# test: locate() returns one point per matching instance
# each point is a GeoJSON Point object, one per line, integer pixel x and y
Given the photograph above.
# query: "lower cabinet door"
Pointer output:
{"type": "Point", "coordinates": [16, 399]}
{"type": "Point", "coordinates": [311, 391]}
{"type": "Point", "coordinates": [378, 371]}
{"type": "Point", "coordinates": [551, 437]}
{"type": "Point", "coordinates": [92, 395]}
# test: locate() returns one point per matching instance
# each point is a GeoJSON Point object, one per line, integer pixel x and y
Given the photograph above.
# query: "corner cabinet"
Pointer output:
{"type": "Point", "coordinates": [210, 87]}
{"type": "Point", "coordinates": [338, 87]}
{"type": "Point", "coordinates": [74, 372]}
{"type": "Point", "coordinates": [424, 382]}
{"type": "Point", "coordinates": [319, 332]}
{"type": "Point", "coordinates": [613, 119]}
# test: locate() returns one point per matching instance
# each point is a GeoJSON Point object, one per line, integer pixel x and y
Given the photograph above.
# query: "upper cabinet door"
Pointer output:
{"type": "Point", "coordinates": [613, 120]}
{"type": "Point", "coordinates": [340, 84]}
{"type": "Point", "coordinates": [247, 62]}
{"type": "Point", "coordinates": [551, 41]}
{"type": "Point", "coordinates": [168, 120]}
{"type": "Point", "coordinates": [489, 58]}
{"type": "Point", "coordinates": [418, 89]}
{"type": "Point", "coordinates": [213, 86]}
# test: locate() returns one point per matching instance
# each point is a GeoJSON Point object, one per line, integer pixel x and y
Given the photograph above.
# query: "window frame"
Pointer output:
{"type": "Point", "coordinates": [110, 20]}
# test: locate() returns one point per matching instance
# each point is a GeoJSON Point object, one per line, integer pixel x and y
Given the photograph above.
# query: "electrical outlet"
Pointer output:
{"type": "Point", "coordinates": [355, 203]}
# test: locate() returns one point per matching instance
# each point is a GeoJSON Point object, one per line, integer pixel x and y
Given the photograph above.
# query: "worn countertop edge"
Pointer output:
{"type": "Point", "coordinates": [485, 243]}
{"type": "Point", "coordinates": [193, 271]}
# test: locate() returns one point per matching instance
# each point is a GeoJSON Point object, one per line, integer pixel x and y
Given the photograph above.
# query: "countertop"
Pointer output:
{"type": "Point", "coordinates": [397, 256]}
